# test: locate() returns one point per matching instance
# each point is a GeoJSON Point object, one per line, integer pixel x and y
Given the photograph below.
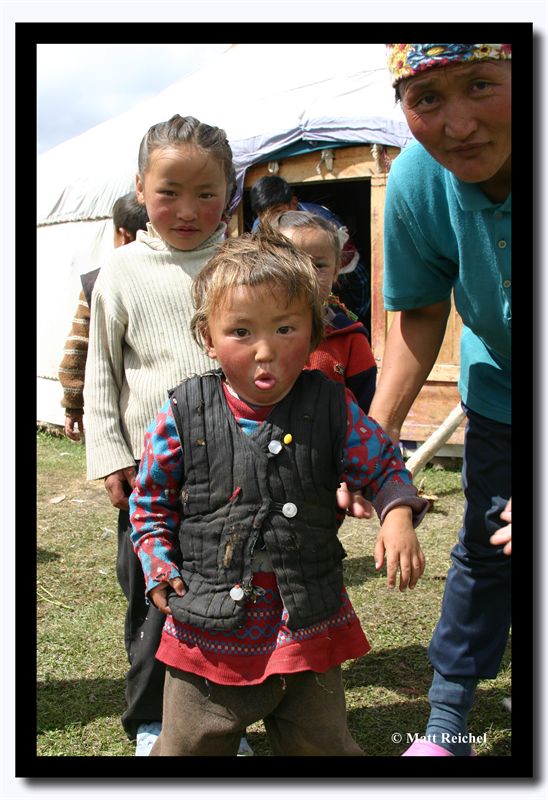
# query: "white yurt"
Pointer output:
{"type": "Point", "coordinates": [278, 103]}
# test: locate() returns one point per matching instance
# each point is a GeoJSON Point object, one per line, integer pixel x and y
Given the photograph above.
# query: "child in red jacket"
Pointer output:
{"type": "Point", "coordinates": [344, 354]}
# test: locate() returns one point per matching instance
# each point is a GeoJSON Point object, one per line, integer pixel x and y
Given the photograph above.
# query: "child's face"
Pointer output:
{"type": "Point", "coordinates": [317, 243]}
{"type": "Point", "coordinates": [261, 342]}
{"type": "Point", "coordinates": [185, 193]}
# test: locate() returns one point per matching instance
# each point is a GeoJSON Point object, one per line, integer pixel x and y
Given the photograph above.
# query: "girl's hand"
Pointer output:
{"type": "Point", "coordinates": [116, 485]}
{"type": "Point", "coordinates": [398, 541]}
{"type": "Point", "coordinates": [504, 535]}
{"type": "Point", "coordinates": [158, 595]}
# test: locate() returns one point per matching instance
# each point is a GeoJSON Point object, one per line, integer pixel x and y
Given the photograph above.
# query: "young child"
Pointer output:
{"type": "Point", "coordinates": [344, 354]}
{"type": "Point", "coordinates": [128, 217]}
{"type": "Point", "coordinates": [234, 516]}
{"type": "Point", "coordinates": [271, 195]}
{"type": "Point", "coordinates": [140, 345]}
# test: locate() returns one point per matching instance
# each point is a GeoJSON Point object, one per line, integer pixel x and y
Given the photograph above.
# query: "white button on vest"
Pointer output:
{"type": "Point", "coordinates": [502, 244]}
{"type": "Point", "coordinates": [289, 510]}
{"type": "Point", "coordinates": [237, 593]}
{"type": "Point", "coordinates": [275, 447]}
{"type": "Point", "coordinates": [507, 284]}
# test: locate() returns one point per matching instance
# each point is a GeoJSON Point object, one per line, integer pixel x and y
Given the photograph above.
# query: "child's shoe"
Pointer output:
{"type": "Point", "coordinates": [422, 747]}
{"type": "Point", "coordinates": [146, 736]}
{"type": "Point", "coordinates": [244, 748]}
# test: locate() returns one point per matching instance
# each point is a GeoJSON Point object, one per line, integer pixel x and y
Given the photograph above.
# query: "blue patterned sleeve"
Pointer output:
{"type": "Point", "coordinates": [374, 466]}
{"type": "Point", "coordinates": [154, 504]}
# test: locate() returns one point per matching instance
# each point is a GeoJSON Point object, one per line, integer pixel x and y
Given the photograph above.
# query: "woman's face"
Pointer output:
{"type": "Point", "coordinates": [461, 114]}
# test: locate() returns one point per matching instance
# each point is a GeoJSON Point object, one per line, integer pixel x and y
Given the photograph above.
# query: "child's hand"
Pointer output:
{"type": "Point", "coordinates": [74, 425]}
{"type": "Point", "coordinates": [397, 539]}
{"type": "Point", "coordinates": [158, 595]}
{"type": "Point", "coordinates": [504, 535]}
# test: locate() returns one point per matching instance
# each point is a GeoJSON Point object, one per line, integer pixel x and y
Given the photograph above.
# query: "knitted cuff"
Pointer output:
{"type": "Point", "coordinates": [162, 575]}
{"type": "Point", "coordinates": [397, 494]}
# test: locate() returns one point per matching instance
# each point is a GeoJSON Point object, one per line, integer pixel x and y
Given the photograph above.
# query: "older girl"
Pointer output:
{"type": "Point", "coordinates": [140, 346]}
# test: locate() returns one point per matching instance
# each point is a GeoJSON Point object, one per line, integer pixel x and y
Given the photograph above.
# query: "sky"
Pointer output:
{"type": "Point", "coordinates": [104, 80]}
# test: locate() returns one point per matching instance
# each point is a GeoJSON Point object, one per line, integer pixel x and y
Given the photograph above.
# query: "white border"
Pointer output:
{"type": "Point", "coordinates": [204, 11]}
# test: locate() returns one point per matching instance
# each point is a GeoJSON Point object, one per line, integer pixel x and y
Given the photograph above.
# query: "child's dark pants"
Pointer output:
{"type": "Point", "coordinates": [143, 629]}
{"type": "Point", "coordinates": [304, 714]}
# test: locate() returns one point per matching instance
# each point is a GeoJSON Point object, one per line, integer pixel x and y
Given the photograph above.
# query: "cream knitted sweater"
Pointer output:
{"type": "Point", "coordinates": [140, 344]}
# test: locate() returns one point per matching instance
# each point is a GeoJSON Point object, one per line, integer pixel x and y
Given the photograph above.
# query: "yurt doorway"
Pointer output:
{"type": "Point", "coordinates": [349, 200]}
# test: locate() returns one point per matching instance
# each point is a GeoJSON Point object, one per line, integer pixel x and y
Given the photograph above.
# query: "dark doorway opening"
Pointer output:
{"type": "Point", "coordinates": [349, 199]}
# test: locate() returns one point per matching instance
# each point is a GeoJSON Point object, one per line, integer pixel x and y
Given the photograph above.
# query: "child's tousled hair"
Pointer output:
{"type": "Point", "coordinates": [188, 130]}
{"type": "Point", "coordinates": [304, 219]}
{"type": "Point", "coordinates": [263, 259]}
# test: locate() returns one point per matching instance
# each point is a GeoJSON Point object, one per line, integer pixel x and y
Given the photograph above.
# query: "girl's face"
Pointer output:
{"type": "Point", "coordinates": [261, 342]}
{"type": "Point", "coordinates": [462, 115]}
{"type": "Point", "coordinates": [318, 245]}
{"type": "Point", "coordinates": [185, 193]}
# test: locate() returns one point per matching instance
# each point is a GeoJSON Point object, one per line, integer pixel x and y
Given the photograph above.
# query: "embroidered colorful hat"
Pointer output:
{"type": "Point", "coordinates": [407, 60]}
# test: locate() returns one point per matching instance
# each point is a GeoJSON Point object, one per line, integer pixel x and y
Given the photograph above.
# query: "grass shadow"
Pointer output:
{"type": "Point", "coordinates": [388, 730]}
{"type": "Point", "coordinates": [356, 569]}
{"type": "Point", "coordinates": [436, 511]}
{"type": "Point", "coordinates": [403, 669]}
{"type": "Point", "coordinates": [449, 492]}
{"type": "Point", "coordinates": [406, 670]}
{"type": "Point", "coordinates": [46, 556]}
{"type": "Point", "coordinates": [64, 703]}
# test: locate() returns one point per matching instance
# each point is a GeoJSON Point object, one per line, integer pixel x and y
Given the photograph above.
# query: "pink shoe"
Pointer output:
{"type": "Point", "coordinates": [422, 747]}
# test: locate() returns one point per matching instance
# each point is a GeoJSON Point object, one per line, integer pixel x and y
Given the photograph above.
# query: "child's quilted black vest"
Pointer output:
{"type": "Point", "coordinates": [244, 491]}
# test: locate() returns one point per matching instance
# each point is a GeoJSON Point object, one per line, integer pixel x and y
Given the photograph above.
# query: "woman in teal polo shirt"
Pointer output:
{"type": "Point", "coordinates": [448, 229]}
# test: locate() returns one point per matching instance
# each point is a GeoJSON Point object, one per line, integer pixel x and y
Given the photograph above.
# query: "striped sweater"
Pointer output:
{"type": "Point", "coordinates": [140, 344]}
{"type": "Point", "coordinates": [73, 365]}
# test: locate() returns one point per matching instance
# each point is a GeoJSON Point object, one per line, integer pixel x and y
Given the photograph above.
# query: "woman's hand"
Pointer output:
{"type": "Point", "coordinates": [504, 535]}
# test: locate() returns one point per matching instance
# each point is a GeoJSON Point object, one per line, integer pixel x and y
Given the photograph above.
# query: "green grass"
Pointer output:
{"type": "Point", "coordinates": [82, 660]}
{"type": "Point", "coordinates": [81, 656]}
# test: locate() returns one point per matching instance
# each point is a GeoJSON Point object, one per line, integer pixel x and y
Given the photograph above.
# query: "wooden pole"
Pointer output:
{"type": "Point", "coordinates": [436, 440]}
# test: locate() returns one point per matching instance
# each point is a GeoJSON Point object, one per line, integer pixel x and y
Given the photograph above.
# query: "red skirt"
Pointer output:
{"type": "Point", "coordinates": [265, 646]}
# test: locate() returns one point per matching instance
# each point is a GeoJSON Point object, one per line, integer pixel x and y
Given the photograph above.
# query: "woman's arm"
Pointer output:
{"type": "Point", "coordinates": [411, 349]}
